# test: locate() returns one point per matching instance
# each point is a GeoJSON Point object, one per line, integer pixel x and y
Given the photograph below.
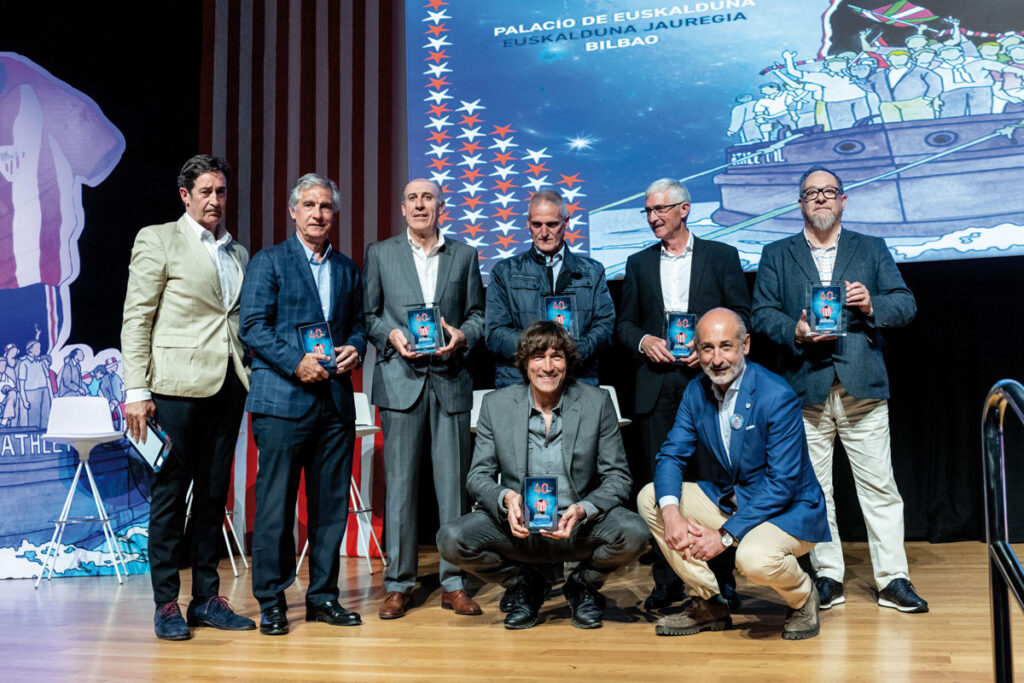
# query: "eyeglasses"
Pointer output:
{"type": "Point", "coordinates": [811, 193]}
{"type": "Point", "coordinates": [661, 209]}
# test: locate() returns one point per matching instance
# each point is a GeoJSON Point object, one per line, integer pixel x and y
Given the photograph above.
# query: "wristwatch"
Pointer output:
{"type": "Point", "coordinates": [727, 539]}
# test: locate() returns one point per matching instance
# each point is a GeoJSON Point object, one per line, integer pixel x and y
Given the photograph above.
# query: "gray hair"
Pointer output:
{"type": "Point", "coordinates": [439, 193]}
{"type": "Point", "coordinates": [676, 190]}
{"type": "Point", "coordinates": [313, 180]}
{"type": "Point", "coordinates": [548, 197]}
{"type": "Point", "coordinates": [815, 169]}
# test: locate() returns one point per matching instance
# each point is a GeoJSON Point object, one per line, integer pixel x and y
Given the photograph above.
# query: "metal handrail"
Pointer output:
{"type": "Point", "coordinates": [1005, 572]}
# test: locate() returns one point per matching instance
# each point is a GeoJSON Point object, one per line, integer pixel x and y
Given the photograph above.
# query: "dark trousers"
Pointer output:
{"type": "Point", "coordinates": [654, 428]}
{"type": "Point", "coordinates": [203, 434]}
{"type": "Point", "coordinates": [486, 548]}
{"type": "Point", "coordinates": [320, 442]}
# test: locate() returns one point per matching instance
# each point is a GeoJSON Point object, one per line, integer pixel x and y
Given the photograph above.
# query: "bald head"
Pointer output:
{"type": "Point", "coordinates": [723, 343]}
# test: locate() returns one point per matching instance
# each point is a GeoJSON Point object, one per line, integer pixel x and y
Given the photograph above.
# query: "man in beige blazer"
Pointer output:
{"type": "Point", "coordinates": [183, 366]}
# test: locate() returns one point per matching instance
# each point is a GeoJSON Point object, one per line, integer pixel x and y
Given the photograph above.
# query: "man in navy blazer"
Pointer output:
{"type": "Point", "coordinates": [303, 416]}
{"type": "Point", "coordinates": [842, 382]}
{"type": "Point", "coordinates": [764, 498]}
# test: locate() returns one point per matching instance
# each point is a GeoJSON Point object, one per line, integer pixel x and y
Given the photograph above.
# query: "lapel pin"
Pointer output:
{"type": "Point", "coordinates": [736, 421]}
{"type": "Point", "coordinates": [748, 406]}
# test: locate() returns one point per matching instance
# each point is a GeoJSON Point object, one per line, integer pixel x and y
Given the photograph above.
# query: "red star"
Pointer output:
{"type": "Point", "coordinates": [438, 109]}
{"type": "Point", "coordinates": [434, 4]}
{"type": "Point", "coordinates": [437, 83]}
{"type": "Point", "coordinates": [439, 136]}
{"type": "Point", "coordinates": [472, 174]}
{"type": "Point", "coordinates": [436, 57]}
{"type": "Point", "coordinates": [436, 30]}
{"type": "Point", "coordinates": [439, 163]}
{"type": "Point", "coordinates": [473, 230]}
{"type": "Point", "coordinates": [471, 147]}
{"type": "Point", "coordinates": [536, 169]}
{"type": "Point", "coordinates": [502, 130]}
{"type": "Point", "coordinates": [572, 236]}
{"type": "Point", "coordinates": [502, 157]}
{"type": "Point", "coordinates": [503, 185]}
{"type": "Point", "coordinates": [504, 241]}
{"type": "Point", "coordinates": [505, 213]}
{"type": "Point", "coordinates": [569, 179]}
{"type": "Point", "coordinates": [572, 208]}
{"type": "Point", "coordinates": [470, 120]}
{"type": "Point", "coordinates": [473, 202]}
{"type": "Point", "coordinates": [444, 217]}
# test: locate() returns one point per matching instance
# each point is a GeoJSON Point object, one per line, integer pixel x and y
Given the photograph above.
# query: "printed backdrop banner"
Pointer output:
{"type": "Point", "coordinates": [919, 112]}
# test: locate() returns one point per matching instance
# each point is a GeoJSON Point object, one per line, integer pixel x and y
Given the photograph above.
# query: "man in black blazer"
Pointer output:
{"type": "Point", "coordinates": [680, 273]}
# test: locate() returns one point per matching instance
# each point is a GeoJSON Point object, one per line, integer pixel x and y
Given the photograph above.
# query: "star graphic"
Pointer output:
{"type": "Point", "coordinates": [569, 179]}
{"type": "Point", "coordinates": [475, 242]}
{"type": "Point", "coordinates": [536, 169]}
{"type": "Point", "coordinates": [445, 230]}
{"type": "Point", "coordinates": [502, 131]}
{"type": "Point", "coordinates": [572, 236]}
{"type": "Point", "coordinates": [505, 253]}
{"type": "Point", "coordinates": [504, 171]}
{"type": "Point", "coordinates": [472, 216]}
{"type": "Point", "coordinates": [503, 145]}
{"type": "Point", "coordinates": [505, 240]}
{"type": "Point", "coordinates": [505, 227]}
{"type": "Point", "coordinates": [435, 4]}
{"type": "Point", "coordinates": [473, 229]}
{"type": "Point", "coordinates": [504, 199]}
{"type": "Point", "coordinates": [471, 188]}
{"type": "Point", "coordinates": [439, 150]}
{"type": "Point", "coordinates": [502, 158]}
{"type": "Point", "coordinates": [471, 147]}
{"type": "Point", "coordinates": [470, 107]}
{"type": "Point", "coordinates": [537, 155]}
{"type": "Point", "coordinates": [470, 120]}
{"type": "Point", "coordinates": [436, 30]}
{"type": "Point", "coordinates": [440, 178]}
{"type": "Point", "coordinates": [571, 194]}
{"type": "Point", "coordinates": [471, 133]}
{"type": "Point", "coordinates": [576, 249]}
{"type": "Point", "coordinates": [471, 173]}
{"type": "Point", "coordinates": [471, 161]}
{"type": "Point", "coordinates": [576, 220]}
{"type": "Point", "coordinates": [504, 213]}
{"type": "Point", "coordinates": [439, 163]}
{"type": "Point", "coordinates": [437, 123]}
{"type": "Point", "coordinates": [503, 185]}
{"type": "Point", "coordinates": [572, 208]}
{"type": "Point", "coordinates": [537, 183]}
{"type": "Point", "coordinates": [436, 17]}
{"type": "Point", "coordinates": [437, 69]}
{"type": "Point", "coordinates": [438, 109]}
{"type": "Point", "coordinates": [436, 57]}
{"type": "Point", "coordinates": [473, 202]}
{"type": "Point", "coordinates": [437, 83]}
{"type": "Point", "coordinates": [439, 136]}
{"type": "Point", "coordinates": [434, 43]}
{"type": "Point", "coordinates": [437, 97]}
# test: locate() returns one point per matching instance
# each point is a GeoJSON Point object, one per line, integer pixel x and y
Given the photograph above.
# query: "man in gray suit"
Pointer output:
{"type": "Point", "coordinates": [841, 381]}
{"type": "Point", "coordinates": [424, 398]}
{"type": "Point", "coordinates": [553, 427]}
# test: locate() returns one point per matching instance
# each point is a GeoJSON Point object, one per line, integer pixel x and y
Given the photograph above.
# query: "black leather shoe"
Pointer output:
{"type": "Point", "coordinates": [273, 621]}
{"type": "Point", "coordinates": [217, 612]}
{"type": "Point", "coordinates": [663, 596]}
{"type": "Point", "coordinates": [526, 597]}
{"type": "Point", "coordinates": [168, 622]}
{"type": "Point", "coordinates": [585, 603]}
{"type": "Point", "coordinates": [332, 613]}
{"type": "Point", "coordinates": [900, 594]}
{"type": "Point", "coordinates": [830, 592]}
{"type": "Point", "coordinates": [505, 604]}
{"type": "Point", "coordinates": [729, 594]}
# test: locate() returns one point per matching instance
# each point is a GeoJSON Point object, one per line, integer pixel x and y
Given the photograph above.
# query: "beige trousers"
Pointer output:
{"type": "Point", "coordinates": [767, 555]}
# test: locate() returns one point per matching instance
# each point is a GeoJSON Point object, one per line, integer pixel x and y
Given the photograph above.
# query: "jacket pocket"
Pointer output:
{"type": "Point", "coordinates": [176, 341]}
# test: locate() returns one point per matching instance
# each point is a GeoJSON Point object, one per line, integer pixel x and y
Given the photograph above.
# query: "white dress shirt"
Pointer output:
{"type": "Point", "coordinates": [426, 265]}
{"type": "Point", "coordinates": [675, 281]}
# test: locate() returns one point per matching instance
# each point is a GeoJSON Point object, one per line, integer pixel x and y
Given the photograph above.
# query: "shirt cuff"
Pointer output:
{"type": "Point", "coordinates": [589, 508]}
{"type": "Point", "coordinates": [135, 395]}
{"type": "Point", "coordinates": [640, 346]}
{"type": "Point", "coordinates": [501, 501]}
{"type": "Point", "coordinates": [668, 500]}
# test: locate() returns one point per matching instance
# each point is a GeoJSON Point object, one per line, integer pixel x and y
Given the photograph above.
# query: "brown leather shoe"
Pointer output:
{"type": "Point", "coordinates": [460, 602]}
{"type": "Point", "coordinates": [394, 605]}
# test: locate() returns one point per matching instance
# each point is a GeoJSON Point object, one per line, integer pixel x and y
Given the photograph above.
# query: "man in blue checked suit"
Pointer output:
{"type": "Point", "coordinates": [303, 416]}
{"type": "Point", "coordinates": [763, 497]}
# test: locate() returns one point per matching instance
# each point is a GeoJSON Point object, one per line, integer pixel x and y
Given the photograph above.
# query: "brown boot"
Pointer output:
{"type": "Point", "coordinates": [802, 623]}
{"type": "Point", "coordinates": [698, 615]}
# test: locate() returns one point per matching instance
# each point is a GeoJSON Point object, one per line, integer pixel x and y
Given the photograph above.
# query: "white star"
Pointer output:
{"type": "Point", "coordinates": [436, 70]}
{"type": "Point", "coordinates": [437, 124]}
{"type": "Point", "coordinates": [571, 194]}
{"type": "Point", "coordinates": [504, 171]}
{"type": "Point", "coordinates": [471, 133]}
{"type": "Point", "coordinates": [437, 97]}
{"type": "Point", "coordinates": [470, 107]}
{"type": "Point", "coordinates": [472, 188]}
{"type": "Point", "coordinates": [471, 161]}
{"type": "Point", "coordinates": [576, 220]}
{"type": "Point", "coordinates": [445, 230]}
{"type": "Point", "coordinates": [537, 183]}
{"type": "Point", "coordinates": [435, 43]}
{"type": "Point", "coordinates": [475, 242]}
{"type": "Point", "coordinates": [504, 227]}
{"type": "Point", "coordinates": [436, 17]}
{"type": "Point", "coordinates": [503, 145]}
{"type": "Point", "coordinates": [440, 150]}
{"type": "Point", "coordinates": [536, 156]}
{"type": "Point", "coordinates": [574, 249]}
{"type": "Point", "coordinates": [472, 216]}
{"type": "Point", "coordinates": [440, 177]}
{"type": "Point", "coordinates": [505, 253]}
{"type": "Point", "coordinates": [503, 199]}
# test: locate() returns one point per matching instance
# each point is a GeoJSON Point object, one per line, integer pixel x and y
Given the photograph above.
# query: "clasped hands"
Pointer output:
{"type": "Point", "coordinates": [693, 540]}
{"type": "Point", "coordinates": [516, 524]}
{"type": "Point", "coordinates": [310, 370]}
{"type": "Point", "coordinates": [456, 340]}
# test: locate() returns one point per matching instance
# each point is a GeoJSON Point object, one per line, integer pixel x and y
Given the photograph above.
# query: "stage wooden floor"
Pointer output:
{"type": "Point", "coordinates": [90, 628]}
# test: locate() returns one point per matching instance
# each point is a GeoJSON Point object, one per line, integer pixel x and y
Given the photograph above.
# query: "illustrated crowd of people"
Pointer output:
{"type": "Point", "coordinates": [926, 78]}
{"type": "Point", "coordinates": [739, 458]}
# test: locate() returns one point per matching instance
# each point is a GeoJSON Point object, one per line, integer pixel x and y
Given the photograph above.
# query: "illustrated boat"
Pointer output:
{"type": "Point", "coordinates": [962, 172]}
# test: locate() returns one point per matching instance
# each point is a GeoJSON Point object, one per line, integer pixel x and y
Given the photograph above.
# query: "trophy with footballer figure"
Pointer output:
{"type": "Point", "coordinates": [825, 309]}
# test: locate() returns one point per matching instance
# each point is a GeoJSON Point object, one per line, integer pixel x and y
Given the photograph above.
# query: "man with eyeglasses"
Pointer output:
{"type": "Point", "coordinates": [518, 293]}
{"type": "Point", "coordinates": [842, 381]}
{"type": "Point", "coordinates": [680, 273]}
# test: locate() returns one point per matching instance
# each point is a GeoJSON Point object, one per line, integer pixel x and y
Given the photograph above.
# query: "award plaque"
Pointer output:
{"type": "Point", "coordinates": [679, 331]}
{"type": "Point", "coordinates": [316, 338]}
{"type": "Point", "coordinates": [540, 503]}
{"type": "Point", "coordinates": [825, 309]}
{"type": "Point", "coordinates": [562, 310]}
{"type": "Point", "coordinates": [424, 330]}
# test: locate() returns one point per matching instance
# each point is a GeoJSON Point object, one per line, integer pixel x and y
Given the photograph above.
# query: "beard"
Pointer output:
{"type": "Point", "coordinates": [720, 380]}
{"type": "Point", "coordinates": [822, 222]}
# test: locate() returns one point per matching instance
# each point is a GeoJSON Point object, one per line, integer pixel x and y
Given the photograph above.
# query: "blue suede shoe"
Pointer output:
{"type": "Point", "coordinates": [168, 624]}
{"type": "Point", "coordinates": [217, 612]}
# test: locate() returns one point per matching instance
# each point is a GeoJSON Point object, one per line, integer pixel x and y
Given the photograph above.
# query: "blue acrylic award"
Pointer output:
{"type": "Point", "coordinates": [825, 312]}
{"type": "Point", "coordinates": [316, 338]}
{"type": "Point", "coordinates": [424, 329]}
{"type": "Point", "coordinates": [562, 310]}
{"type": "Point", "coordinates": [679, 331]}
{"type": "Point", "coordinates": [540, 503]}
